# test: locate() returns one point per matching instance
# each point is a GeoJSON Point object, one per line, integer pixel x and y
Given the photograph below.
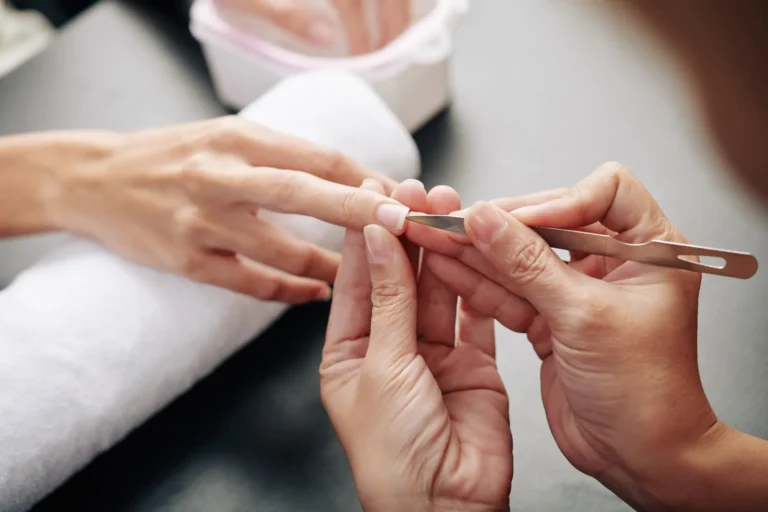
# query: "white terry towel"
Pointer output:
{"type": "Point", "coordinates": [92, 345]}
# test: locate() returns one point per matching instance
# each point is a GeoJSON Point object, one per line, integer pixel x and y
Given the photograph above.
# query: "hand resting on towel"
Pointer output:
{"type": "Point", "coordinates": [185, 199]}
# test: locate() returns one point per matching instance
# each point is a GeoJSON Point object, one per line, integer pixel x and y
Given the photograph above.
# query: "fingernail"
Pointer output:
{"type": "Point", "coordinates": [415, 182]}
{"type": "Point", "coordinates": [372, 185]}
{"type": "Point", "coordinates": [392, 216]}
{"type": "Point", "coordinates": [377, 244]}
{"type": "Point", "coordinates": [320, 32]}
{"type": "Point", "coordinates": [486, 223]}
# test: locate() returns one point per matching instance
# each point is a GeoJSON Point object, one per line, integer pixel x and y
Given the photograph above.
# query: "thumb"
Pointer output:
{"type": "Point", "coordinates": [528, 265]}
{"type": "Point", "coordinates": [393, 319]}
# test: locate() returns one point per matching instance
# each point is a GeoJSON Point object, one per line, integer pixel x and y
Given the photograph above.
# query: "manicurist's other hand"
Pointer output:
{"type": "Point", "coordinates": [617, 339]}
{"type": "Point", "coordinates": [186, 199]}
{"type": "Point", "coordinates": [418, 406]}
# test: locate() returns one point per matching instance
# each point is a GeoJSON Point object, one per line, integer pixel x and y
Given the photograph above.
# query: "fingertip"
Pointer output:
{"type": "Point", "coordinates": [412, 194]}
{"type": "Point", "coordinates": [443, 200]}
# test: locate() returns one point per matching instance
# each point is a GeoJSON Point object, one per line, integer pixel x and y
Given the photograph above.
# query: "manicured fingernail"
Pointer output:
{"type": "Point", "coordinates": [372, 185]}
{"type": "Point", "coordinates": [392, 216]}
{"type": "Point", "coordinates": [320, 32]}
{"type": "Point", "coordinates": [377, 242]}
{"type": "Point", "coordinates": [412, 181]}
{"type": "Point", "coordinates": [486, 223]}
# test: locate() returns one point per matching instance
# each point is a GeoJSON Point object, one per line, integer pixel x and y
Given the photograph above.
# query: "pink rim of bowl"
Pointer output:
{"type": "Point", "coordinates": [208, 19]}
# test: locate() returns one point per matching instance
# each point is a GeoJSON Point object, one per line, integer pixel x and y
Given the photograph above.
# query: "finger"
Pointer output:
{"type": "Point", "coordinates": [394, 18]}
{"type": "Point", "coordinates": [530, 268]}
{"type": "Point", "coordinates": [304, 194]}
{"type": "Point", "coordinates": [393, 319]}
{"type": "Point", "coordinates": [612, 196]}
{"type": "Point", "coordinates": [250, 278]}
{"type": "Point", "coordinates": [350, 320]}
{"type": "Point", "coordinates": [476, 329]}
{"type": "Point", "coordinates": [262, 146]}
{"type": "Point", "coordinates": [443, 200]}
{"type": "Point", "coordinates": [510, 204]}
{"type": "Point", "coordinates": [290, 16]}
{"type": "Point", "coordinates": [412, 194]}
{"type": "Point", "coordinates": [436, 302]}
{"type": "Point", "coordinates": [261, 241]}
{"type": "Point", "coordinates": [540, 337]}
{"type": "Point", "coordinates": [481, 293]}
{"type": "Point", "coordinates": [352, 14]}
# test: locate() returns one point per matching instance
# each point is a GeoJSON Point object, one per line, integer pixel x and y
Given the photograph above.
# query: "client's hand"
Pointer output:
{"type": "Point", "coordinates": [421, 412]}
{"type": "Point", "coordinates": [295, 17]}
{"type": "Point", "coordinates": [617, 340]}
{"type": "Point", "coordinates": [185, 199]}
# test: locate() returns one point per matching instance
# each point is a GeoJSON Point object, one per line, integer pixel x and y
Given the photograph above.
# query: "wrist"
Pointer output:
{"type": "Point", "coordinates": [722, 470]}
{"type": "Point", "coordinates": [425, 504]}
{"type": "Point", "coordinates": [39, 174]}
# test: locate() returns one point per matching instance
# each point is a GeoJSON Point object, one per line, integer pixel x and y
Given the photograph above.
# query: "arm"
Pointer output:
{"type": "Point", "coordinates": [187, 199]}
{"type": "Point", "coordinates": [33, 176]}
{"type": "Point", "coordinates": [727, 470]}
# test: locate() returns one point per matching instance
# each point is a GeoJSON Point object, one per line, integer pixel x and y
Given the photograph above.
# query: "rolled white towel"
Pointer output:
{"type": "Point", "coordinates": [92, 345]}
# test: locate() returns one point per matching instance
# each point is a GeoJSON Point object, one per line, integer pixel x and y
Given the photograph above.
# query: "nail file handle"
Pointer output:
{"type": "Point", "coordinates": [667, 254]}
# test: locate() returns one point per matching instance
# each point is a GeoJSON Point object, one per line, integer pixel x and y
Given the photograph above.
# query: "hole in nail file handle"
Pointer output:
{"type": "Point", "coordinates": [740, 265]}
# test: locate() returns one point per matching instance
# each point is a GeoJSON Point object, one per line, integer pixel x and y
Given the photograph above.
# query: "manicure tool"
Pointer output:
{"type": "Point", "coordinates": [740, 265]}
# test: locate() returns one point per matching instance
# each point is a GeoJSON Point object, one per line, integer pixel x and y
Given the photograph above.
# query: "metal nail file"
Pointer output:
{"type": "Point", "coordinates": [740, 265]}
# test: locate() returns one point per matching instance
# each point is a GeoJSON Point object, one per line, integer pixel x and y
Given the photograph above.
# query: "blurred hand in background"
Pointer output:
{"type": "Point", "coordinates": [300, 18]}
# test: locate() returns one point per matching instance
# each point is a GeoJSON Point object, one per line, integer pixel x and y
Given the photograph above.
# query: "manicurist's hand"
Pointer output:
{"type": "Point", "coordinates": [186, 199]}
{"type": "Point", "coordinates": [617, 341]}
{"type": "Point", "coordinates": [418, 406]}
{"type": "Point", "coordinates": [301, 20]}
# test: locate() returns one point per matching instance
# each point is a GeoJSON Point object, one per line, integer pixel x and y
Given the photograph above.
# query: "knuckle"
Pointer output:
{"type": "Point", "coordinates": [194, 169]}
{"type": "Point", "coordinates": [190, 226]}
{"type": "Point", "coordinates": [514, 314]}
{"type": "Point", "coordinates": [285, 187]}
{"type": "Point", "coordinates": [228, 134]}
{"type": "Point", "coordinates": [269, 290]}
{"type": "Point", "coordinates": [529, 261]}
{"type": "Point", "coordinates": [391, 296]}
{"type": "Point", "coordinates": [190, 264]}
{"type": "Point", "coordinates": [336, 163]}
{"type": "Point", "coordinates": [615, 170]}
{"type": "Point", "coordinates": [305, 263]}
{"type": "Point", "coordinates": [195, 174]}
{"type": "Point", "coordinates": [348, 206]}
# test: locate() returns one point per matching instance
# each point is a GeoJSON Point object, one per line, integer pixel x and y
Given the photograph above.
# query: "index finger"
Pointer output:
{"type": "Point", "coordinates": [262, 146]}
{"type": "Point", "coordinates": [611, 195]}
{"type": "Point", "coordinates": [304, 194]}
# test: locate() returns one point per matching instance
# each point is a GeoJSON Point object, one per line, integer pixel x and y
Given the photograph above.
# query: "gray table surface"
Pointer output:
{"type": "Point", "coordinates": [544, 92]}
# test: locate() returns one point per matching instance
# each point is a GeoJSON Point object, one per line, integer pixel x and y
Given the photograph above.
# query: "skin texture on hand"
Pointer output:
{"type": "Point", "coordinates": [422, 417]}
{"type": "Point", "coordinates": [185, 199]}
{"type": "Point", "coordinates": [300, 20]}
{"type": "Point", "coordinates": [617, 340]}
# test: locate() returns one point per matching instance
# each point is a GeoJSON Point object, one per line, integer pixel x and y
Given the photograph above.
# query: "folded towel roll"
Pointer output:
{"type": "Point", "coordinates": [93, 345]}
